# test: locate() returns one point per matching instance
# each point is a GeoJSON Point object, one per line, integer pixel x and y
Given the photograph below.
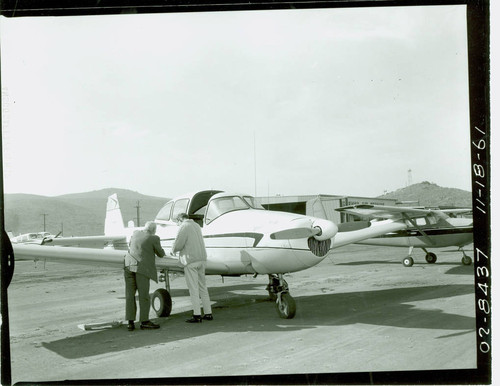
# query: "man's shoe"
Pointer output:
{"type": "Point", "coordinates": [131, 326]}
{"type": "Point", "coordinates": [208, 317]}
{"type": "Point", "coordinates": [149, 325]}
{"type": "Point", "coordinates": [194, 319]}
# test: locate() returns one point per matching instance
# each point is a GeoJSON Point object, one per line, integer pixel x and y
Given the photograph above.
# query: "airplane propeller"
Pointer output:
{"type": "Point", "coordinates": [320, 230]}
{"type": "Point", "coordinates": [295, 233]}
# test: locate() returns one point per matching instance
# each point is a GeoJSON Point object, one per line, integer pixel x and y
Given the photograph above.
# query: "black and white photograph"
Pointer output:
{"type": "Point", "coordinates": [286, 193]}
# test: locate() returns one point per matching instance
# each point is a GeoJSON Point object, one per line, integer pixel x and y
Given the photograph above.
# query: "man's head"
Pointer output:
{"type": "Point", "coordinates": [150, 227]}
{"type": "Point", "coordinates": [181, 217]}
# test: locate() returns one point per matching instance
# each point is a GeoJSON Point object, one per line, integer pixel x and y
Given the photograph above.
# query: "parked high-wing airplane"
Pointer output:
{"type": "Point", "coordinates": [427, 228]}
{"type": "Point", "coordinates": [240, 236]}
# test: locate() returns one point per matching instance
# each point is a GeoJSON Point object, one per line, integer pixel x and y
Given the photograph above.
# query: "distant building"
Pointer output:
{"type": "Point", "coordinates": [321, 205]}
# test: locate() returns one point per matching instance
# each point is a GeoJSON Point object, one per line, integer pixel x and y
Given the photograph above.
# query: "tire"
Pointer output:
{"type": "Point", "coordinates": [430, 258]}
{"type": "Point", "coordinates": [286, 308]}
{"type": "Point", "coordinates": [408, 261]}
{"type": "Point", "coordinates": [272, 296]}
{"type": "Point", "coordinates": [466, 260]}
{"type": "Point", "coordinates": [161, 302]}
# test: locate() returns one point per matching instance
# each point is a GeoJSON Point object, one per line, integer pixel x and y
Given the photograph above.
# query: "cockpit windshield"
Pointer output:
{"type": "Point", "coordinates": [252, 202]}
{"type": "Point", "coordinates": [219, 206]}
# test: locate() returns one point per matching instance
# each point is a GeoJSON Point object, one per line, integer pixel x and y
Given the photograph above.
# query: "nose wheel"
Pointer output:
{"type": "Point", "coordinates": [278, 292]}
{"type": "Point", "coordinates": [272, 287]}
{"type": "Point", "coordinates": [285, 305]}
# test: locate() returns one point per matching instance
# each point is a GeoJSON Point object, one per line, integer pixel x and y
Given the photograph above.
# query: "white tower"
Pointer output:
{"type": "Point", "coordinates": [410, 182]}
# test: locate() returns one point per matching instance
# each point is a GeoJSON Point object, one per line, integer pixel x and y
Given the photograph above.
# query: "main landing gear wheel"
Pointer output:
{"type": "Point", "coordinates": [466, 260]}
{"type": "Point", "coordinates": [161, 302]}
{"type": "Point", "coordinates": [408, 261]}
{"type": "Point", "coordinates": [430, 258]}
{"type": "Point", "coordinates": [285, 305]}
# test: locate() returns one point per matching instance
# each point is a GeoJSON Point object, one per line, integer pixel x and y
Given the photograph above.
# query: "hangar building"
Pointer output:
{"type": "Point", "coordinates": [321, 205]}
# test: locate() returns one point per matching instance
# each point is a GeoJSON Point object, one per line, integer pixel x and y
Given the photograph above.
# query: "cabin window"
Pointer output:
{"type": "Point", "coordinates": [431, 219]}
{"type": "Point", "coordinates": [164, 213]}
{"type": "Point", "coordinates": [420, 221]}
{"type": "Point", "coordinates": [180, 206]}
{"type": "Point", "coordinates": [223, 205]}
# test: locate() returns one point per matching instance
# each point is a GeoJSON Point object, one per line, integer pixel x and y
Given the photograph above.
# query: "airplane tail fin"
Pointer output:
{"type": "Point", "coordinates": [113, 225]}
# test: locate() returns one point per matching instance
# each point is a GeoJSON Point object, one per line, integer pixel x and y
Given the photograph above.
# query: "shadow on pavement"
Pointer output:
{"type": "Point", "coordinates": [247, 313]}
{"type": "Point", "coordinates": [458, 268]}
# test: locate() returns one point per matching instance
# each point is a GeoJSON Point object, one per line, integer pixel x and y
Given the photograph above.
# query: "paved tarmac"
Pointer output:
{"type": "Point", "coordinates": [358, 311]}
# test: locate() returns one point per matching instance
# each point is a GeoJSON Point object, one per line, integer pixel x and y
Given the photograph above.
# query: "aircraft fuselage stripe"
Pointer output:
{"type": "Point", "coordinates": [256, 236]}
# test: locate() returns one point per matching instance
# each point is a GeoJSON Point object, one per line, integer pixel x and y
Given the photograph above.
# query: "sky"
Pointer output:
{"type": "Point", "coordinates": [321, 101]}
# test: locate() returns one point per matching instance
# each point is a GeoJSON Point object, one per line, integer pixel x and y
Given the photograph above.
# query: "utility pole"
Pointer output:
{"type": "Point", "coordinates": [255, 163]}
{"type": "Point", "coordinates": [44, 215]}
{"type": "Point", "coordinates": [138, 207]}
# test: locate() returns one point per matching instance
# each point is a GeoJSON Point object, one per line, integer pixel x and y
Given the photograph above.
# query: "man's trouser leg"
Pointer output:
{"type": "Point", "coordinates": [205, 298]}
{"type": "Point", "coordinates": [191, 275]}
{"type": "Point", "coordinates": [144, 302]}
{"type": "Point", "coordinates": [130, 289]}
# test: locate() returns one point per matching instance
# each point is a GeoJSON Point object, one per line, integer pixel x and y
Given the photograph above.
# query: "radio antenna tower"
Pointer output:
{"type": "Point", "coordinates": [410, 182]}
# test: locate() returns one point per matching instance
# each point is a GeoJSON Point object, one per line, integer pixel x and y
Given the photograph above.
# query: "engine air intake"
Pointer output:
{"type": "Point", "coordinates": [319, 247]}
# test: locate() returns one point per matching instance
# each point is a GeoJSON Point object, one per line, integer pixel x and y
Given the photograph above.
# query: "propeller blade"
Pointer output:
{"type": "Point", "coordinates": [294, 233]}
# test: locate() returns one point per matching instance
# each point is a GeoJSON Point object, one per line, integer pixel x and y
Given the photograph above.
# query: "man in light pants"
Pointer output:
{"type": "Point", "coordinates": [193, 256]}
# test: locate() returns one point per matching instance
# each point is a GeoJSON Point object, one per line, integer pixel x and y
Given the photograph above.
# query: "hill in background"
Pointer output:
{"type": "Point", "coordinates": [79, 214]}
{"type": "Point", "coordinates": [82, 214]}
{"type": "Point", "coordinates": [431, 195]}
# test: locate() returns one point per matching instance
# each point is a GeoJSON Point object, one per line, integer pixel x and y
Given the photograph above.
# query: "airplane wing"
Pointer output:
{"type": "Point", "coordinates": [388, 212]}
{"type": "Point", "coordinates": [92, 256]}
{"type": "Point", "coordinates": [118, 242]}
{"type": "Point", "coordinates": [364, 230]}
{"type": "Point", "coordinates": [457, 211]}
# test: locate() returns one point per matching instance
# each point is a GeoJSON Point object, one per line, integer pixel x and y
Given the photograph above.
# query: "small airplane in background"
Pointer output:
{"type": "Point", "coordinates": [241, 238]}
{"type": "Point", "coordinates": [426, 228]}
{"type": "Point", "coordinates": [35, 238]}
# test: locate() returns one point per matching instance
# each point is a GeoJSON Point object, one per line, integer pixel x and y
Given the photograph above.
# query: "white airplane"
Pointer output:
{"type": "Point", "coordinates": [427, 228]}
{"type": "Point", "coordinates": [35, 238]}
{"type": "Point", "coordinates": [240, 236]}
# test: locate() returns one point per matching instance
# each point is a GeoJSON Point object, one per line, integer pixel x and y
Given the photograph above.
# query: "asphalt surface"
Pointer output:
{"type": "Point", "coordinates": [358, 311]}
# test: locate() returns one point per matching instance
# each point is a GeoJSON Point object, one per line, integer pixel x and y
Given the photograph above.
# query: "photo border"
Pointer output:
{"type": "Point", "coordinates": [478, 33]}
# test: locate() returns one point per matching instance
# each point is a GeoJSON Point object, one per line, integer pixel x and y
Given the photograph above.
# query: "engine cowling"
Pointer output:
{"type": "Point", "coordinates": [328, 229]}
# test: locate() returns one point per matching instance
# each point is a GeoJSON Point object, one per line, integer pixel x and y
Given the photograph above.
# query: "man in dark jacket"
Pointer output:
{"type": "Point", "coordinates": [139, 269]}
